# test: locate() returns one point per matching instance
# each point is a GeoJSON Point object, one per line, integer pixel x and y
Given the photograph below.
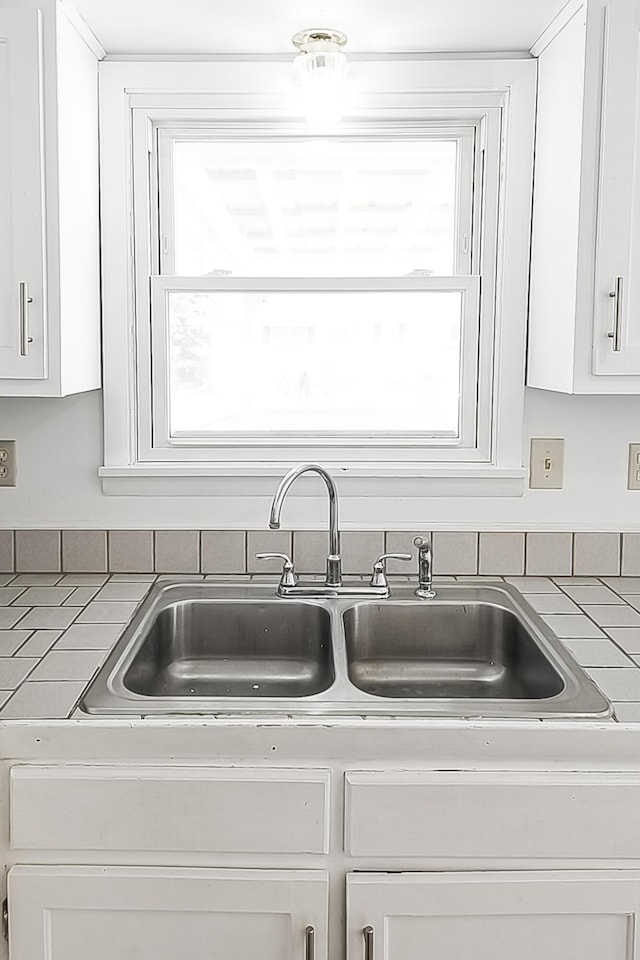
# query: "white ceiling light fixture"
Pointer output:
{"type": "Point", "coordinates": [321, 69]}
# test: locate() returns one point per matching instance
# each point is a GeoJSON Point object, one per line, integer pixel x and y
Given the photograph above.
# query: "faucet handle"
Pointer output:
{"type": "Point", "coordinates": [378, 574]}
{"type": "Point", "coordinates": [288, 578]}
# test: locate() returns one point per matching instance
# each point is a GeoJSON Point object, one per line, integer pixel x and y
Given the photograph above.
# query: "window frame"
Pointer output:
{"type": "Point", "coordinates": [134, 96]}
{"type": "Point", "coordinates": [472, 444]}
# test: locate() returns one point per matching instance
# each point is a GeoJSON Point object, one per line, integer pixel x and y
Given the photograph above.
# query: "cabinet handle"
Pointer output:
{"type": "Point", "coordinates": [616, 296]}
{"type": "Point", "coordinates": [309, 943]}
{"type": "Point", "coordinates": [368, 942]}
{"type": "Point", "coordinates": [23, 302]}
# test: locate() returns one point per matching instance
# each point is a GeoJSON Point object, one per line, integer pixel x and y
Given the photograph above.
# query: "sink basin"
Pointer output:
{"type": "Point", "coordinates": [233, 648]}
{"type": "Point", "coordinates": [477, 650]}
{"type": "Point", "coordinates": [445, 649]}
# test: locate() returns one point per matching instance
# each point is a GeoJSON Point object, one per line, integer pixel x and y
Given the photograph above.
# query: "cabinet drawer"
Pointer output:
{"type": "Point", "coordinates": [493, 816]}
{"type": "Point", "coordinates": [221, 810]}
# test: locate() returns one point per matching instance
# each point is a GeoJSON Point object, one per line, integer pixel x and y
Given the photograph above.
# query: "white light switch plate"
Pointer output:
{"type": "Point", "coordinates": [546, 465]}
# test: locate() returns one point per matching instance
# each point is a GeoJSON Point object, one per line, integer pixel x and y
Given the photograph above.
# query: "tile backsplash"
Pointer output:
{"type": "Point", "coordinates": [233, 552]}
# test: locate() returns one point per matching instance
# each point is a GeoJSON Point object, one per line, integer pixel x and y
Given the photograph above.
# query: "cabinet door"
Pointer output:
{"type": "Point", "coordinates": [617, 268]}
{"type": "Point", "coordinates": [69, 913]}
{"type": "Point", "coordinates": [493, 916]}
{"type": "Point", "coordinates": [22, 227]}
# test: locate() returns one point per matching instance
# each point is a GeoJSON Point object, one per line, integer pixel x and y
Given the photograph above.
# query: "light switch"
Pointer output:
{"type": "Point", "coordinates": [546, 465]}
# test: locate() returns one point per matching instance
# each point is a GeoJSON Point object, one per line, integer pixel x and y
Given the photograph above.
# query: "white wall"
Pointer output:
{"type": "Point", "coordinates": [59, 452]}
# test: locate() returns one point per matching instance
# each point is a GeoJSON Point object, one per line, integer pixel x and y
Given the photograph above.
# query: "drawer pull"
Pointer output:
{"type": "Point", "coordinates": [310, 943]}
{"type": "Point", "coordinates": [616, 296]}
{"type": "Point", "coordinates": [368, 942]}
{"type": "Point", "coordinates": [23, 305]}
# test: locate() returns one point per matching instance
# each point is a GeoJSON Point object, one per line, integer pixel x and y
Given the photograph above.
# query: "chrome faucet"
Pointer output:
{"type": "Point", "coordinates": [334, 560]}
{"type": "Point", "coordinates": [289, 585]}
{"type": "Point", "coordinates": [425, 564]}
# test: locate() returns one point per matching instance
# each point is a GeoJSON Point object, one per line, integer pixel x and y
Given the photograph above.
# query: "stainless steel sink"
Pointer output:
{"type": "Point", "coordinates": [442, 650]}
{"type": "Point", "coordinates": [474, 651]}
{"type": "Point", "coordinates": [233, 648]}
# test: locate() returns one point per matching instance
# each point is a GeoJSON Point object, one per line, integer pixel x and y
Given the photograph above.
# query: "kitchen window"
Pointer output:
{"type": "Point", "coordinates": [301, 277]}
{"type": "Point", "coordinates": [335, 295]}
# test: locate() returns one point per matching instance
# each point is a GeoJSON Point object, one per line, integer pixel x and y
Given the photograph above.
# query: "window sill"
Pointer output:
{"type": "Point", "coordinates": [358, 480]}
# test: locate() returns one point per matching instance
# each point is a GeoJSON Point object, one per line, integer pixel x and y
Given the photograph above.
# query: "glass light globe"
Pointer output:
{"type": "Point", "coordinates": [321, 70]}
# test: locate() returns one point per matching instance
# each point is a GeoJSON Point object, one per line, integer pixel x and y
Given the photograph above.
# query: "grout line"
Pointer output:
{"type": "Point", "coordinates": [26, 640]}
{"type": "Point", "coordinates": [572, 554]}
{"type": "Point", "coordinates": [59, 532]}
{"type": "Point", "coordinates": [620, 551]}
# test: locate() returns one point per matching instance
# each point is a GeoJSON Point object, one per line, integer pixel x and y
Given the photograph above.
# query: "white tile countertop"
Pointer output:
{"type": "Point", "coordinates": [57, 629]}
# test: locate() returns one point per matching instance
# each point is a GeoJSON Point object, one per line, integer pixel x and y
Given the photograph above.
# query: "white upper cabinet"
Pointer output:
{"type": "Point", "coordinates": [49, 249]}
{"type": "Point", "coordinates": [617, 270]}
{"type": "Point", "coordinates": [22, 253]}
{"type": "Point", "coordinates": [584, 334]}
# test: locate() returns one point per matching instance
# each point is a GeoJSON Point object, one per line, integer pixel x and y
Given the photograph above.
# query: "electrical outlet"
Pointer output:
{"type": "Point", "coordinates": [8, 469]}
{"type": "Point", "coordinates": [546, 464]}
{"type": "Point", "coordinates": [633, 474]}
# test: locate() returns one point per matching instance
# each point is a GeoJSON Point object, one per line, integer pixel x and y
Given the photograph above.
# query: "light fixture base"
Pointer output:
{"type": "Point", "coordinates": [303, 38]}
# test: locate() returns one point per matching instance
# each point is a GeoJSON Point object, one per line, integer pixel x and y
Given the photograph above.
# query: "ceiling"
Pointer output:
{"type": "Point", "coordinates": [259, 27]}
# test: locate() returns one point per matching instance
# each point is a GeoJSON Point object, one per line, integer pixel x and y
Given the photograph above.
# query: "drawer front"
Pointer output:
{"type": "Point", "coordinates": [220, 810]}
{"type": "Point", "coordinates": [492, 816]}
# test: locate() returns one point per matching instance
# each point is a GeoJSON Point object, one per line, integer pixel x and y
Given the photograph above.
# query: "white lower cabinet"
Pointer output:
{"type": "Point", "coordinates": [150, 913]}
{"type": "Point", "coordinates": [276, 844]}
{"type": "Point", "coordinates": [144, 913]}
{"type": "Point", "coordinates": [494, 916]}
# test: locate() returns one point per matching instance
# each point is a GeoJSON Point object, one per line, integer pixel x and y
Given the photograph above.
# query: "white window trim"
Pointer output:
{"type": "Point", "coordinates": [129, 90]}
{"type": "Point", "coordinates": [474, 444]}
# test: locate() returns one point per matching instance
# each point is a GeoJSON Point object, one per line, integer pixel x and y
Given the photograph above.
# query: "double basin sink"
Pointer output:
{"type": "Point", "coordinates": [473, 651]}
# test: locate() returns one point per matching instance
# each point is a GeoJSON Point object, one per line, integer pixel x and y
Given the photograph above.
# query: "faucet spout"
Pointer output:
{"type": "Point", "coordinates": [334, 563]}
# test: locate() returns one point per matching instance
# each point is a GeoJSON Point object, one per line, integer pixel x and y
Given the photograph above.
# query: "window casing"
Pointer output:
{"type": "Point", "coordinates": [484, 442]}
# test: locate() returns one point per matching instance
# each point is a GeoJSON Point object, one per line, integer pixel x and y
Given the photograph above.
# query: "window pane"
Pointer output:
{"type": "Point", "coordinates": [301, 208]}
{"type": "Point", "coordinates": [376, 363]}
